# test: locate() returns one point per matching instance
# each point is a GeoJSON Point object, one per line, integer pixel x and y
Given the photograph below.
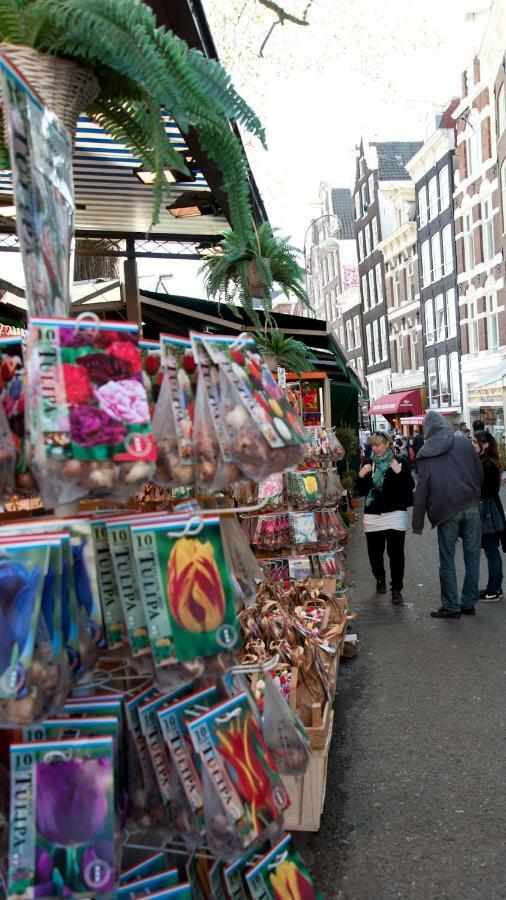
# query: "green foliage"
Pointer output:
{"type": "Point", "coordinates": [275, 262]}
{"type": "Point", "coordinates": [348, 438]}
{"type": "Point", "coordinates": [143, 71]}
{"type": "Point", "coordinates": [287, 352]}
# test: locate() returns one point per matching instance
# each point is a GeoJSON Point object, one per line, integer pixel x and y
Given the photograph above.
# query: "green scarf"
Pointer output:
{"type": "Point", "coordinates": [381, 467]}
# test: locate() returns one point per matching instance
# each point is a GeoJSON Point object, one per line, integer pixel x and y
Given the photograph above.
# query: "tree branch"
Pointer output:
{"type": "Point", "coordinates": [283, 15]}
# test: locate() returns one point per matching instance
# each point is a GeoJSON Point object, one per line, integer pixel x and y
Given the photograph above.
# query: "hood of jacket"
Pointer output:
{"type": "Point", "coordinates": [439, 437]}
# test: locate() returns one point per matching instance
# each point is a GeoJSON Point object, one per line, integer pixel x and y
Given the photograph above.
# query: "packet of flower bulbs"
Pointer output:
{"type": "Point", "coordinates": [151, 370]}
{"type": "Point", "coordinates": [12, 394]}
{"type": "Point", "coordinates": [173, 721]}
{"type": "Point", "coordinates": [174, 413]}
{"type": "Point", "coordinates": [150, 728]}
{"type": "Point", "coordinates": [92, 433]}
{"type": "Point", "coordinates": [241, 770]}
{"type": "Point", "coordinates": [147, 886]}
{"type": "Point", "coordinates": [284, 733]}
{"type": "Point", "coordinates": [235, 874]}
{"type": "Point", "coordinates": [114, 625]}
{"type": "Point", "coordinates": [263, 431]}
{"type": "Point", "coordinates": [62, 839]}
{"type": "Point", "coordinates": [152, 865]}
{"type": "Point", "coordinates": [281, 873]}
{"type": "Point", "coordinates": [120, 546]}
{"type": "Point", "coordinates": [214, 466]}
{"type": "Point", "coordinates": [186, 588]}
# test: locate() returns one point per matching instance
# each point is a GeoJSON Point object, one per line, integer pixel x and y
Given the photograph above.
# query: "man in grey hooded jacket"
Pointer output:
{"type": "Point", "coordinates": [449, 489]}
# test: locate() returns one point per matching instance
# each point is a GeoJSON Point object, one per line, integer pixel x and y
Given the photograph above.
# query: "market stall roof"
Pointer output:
{"type": "Point", "coordinates": [394, 404]}
{"type": "Point", "coordinates": [111, 200]}
{"type": "Point", "coordinates": [498, 374]}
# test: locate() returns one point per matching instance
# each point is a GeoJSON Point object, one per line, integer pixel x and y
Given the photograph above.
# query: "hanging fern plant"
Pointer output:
{"type": "Point", "coordinates": [143, 70]}
{"type": "Point", "coordinates": [239, 270]}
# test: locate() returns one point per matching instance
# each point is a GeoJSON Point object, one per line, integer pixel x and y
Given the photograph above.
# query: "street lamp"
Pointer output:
{"type": "Point", "coordinates": [330, 243]}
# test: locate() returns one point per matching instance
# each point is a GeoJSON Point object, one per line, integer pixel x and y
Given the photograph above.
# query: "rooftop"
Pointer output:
{"type": "Point", "coordinates": [342, 206]}
{"type": "Point", "coordinates": [392, 157]}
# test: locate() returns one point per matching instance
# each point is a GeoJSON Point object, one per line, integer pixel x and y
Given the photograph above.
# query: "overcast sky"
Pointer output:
{"type": "Point", "coordinates": [375, 68]}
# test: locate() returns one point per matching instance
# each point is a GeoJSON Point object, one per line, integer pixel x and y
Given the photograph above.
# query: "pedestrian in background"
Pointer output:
{"type": "Point", "coordinates": [418, 441]}
{"type": "Point", "coordinates": [492, 512]}
{"type": "Point", "coordinates": [387, 485]}
{"type": "Point", "coordinates": [478, 426]}
{"type": "Point", "coordinates": [449, 490]}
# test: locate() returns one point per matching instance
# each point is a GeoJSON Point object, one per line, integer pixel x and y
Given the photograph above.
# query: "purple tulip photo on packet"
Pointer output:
{"type": "Point", "coordinates": [66, 845]}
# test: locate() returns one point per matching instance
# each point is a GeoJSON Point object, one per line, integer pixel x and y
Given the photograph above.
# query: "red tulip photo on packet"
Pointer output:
{"type": "Point", "coordinates": [62, 840]}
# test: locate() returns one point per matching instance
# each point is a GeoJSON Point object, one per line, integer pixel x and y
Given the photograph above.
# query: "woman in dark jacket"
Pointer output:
{"type": "Point", "coordinates": [485, 444]}
{"type": "Point", "coordinates": [387, 486]}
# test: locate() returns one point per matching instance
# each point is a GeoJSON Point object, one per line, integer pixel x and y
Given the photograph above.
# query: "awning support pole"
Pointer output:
{"type": "Point", "coordinates": [131, 284]}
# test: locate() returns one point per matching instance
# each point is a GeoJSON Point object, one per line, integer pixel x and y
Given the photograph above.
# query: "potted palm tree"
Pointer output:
{"type": "Point", "coordinates": [109, 59]}
{"type": "Point", "coordinates": [278, 350]}
{"type": "Point", "coordinates": [240, 270]}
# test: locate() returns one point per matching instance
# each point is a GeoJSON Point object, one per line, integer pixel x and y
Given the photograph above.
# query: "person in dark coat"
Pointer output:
{"type": "Point", "coordinates": [449, 490]}
{"type": "Point", "coordinates": [386, 483]}
{"type": "Point", "coordinates": [418, 442]}
{"type": "Point", "coordinates": [486, 446]}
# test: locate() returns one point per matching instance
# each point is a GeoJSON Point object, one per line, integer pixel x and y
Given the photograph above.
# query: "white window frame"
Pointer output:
{"type": "Point", "coordinates": [444, 188]}
{"type": "Point", "coordinates": [425, 260]}
{"type": "Point", "coordinates": [370, 183]}
{"type": "Point", "coordinates": [429, 321]}
{"type": "Point", "coordinates": [446, 236]}
{"type": "Point", "coordinates": [341, 337]}
{"type": "Point", "coordinates": [435, 247]}
{"type": "Point", "coordinates": [361, 247]}
{"type": "Point", "coordinates": [372, 290]}
{"type": "Point", "coordinates": [374, 225]}
{"type": "Point", "coordinates": [468, 238]}
{"type": "Point", "coordinates": [501, 111]}
{"type": "Point", "coordinates": [356, 330]}
{"type": "Point", "coordinates": [414, 350]}
{"type": "Point", "coordinates": [367, 241]}
{"type": "Point", "coordinates": [487, 228]}
{"type": "Point", "coordinates": [365, 292]}
{"type": "Point", "coordinates": [396, 282]}
{"type": "Point", "coordinates": [422, 205]}
{"type": "Point", "coordinates": [432, 389]}
{"type": "Point", "coordinates": [492, 322]}
{"type": "Point", "coordinates": [433, 198]}
{"type": "Point", "coordinates": [358, 210]}
{"type": "Point", "coordinates": [379, 283]}
{"type": "Point", "coordinates": [439, 318]}
{"type": "Point", "coordinates": [472, 328]}
{"type": "Point", "coordinates": [410, 278]}
{"type": "Point", "coordinates": [376, 341]}
{"type": "Point", "coordinates": [444, 385]}
{"type": "Point", "coordinates": [349, 335]}
{"type": "Point", "coordinates": [454, 373]}
{"type": "Point", "coordinates": [399, 344]}
{"type": "Point", "coordinates": [451, 314]}
{"type": "Point", "coordinates": [370, 352]}
{"type": "Point", "coordinates": [473, 149]}
{"type": "Point", "coordinates": [384, 342]}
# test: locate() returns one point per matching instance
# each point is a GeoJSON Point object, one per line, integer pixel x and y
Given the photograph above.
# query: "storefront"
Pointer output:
{"type": "Point", "coordinates": [399, 408]}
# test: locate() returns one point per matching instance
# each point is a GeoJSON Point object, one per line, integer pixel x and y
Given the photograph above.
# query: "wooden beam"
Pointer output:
{"type": "Point", "coordinates": [131, 284]}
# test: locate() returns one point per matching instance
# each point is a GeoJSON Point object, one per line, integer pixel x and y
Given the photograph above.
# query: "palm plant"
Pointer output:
{"type": "Point", "coordinates": [279, 350]}
{"type": "Point", "coordinates": [240, 269]}
{"type": "Point", "coordinates": [143, 72]}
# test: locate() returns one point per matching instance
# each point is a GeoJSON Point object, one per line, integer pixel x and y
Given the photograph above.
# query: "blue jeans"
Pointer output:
{"type": "Point", "coordinates": [466, 525]}
{"type": "Point", "coordinates": [490, 544]}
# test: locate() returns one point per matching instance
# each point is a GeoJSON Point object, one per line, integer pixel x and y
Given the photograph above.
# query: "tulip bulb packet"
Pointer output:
{"type": "Point", "coordinates": [152, 372]}
{"type": "Point", "coordinates": [174, 414]}
{"type": "Point", "coordinates": [109, 597]}
{"type": "Point", "coordinates": [281, 874]}
{"type": "Point", "coordinates": [148, 885]}
{"type": "Point", "coordinates": [91, 413]}
{"type": "Point", "coordinates": [186, 588]}
{"type": "Point", "coordinates": [240, 768]}
{"type": "Point", "coordinates": [120, 546]}
{"type": "Point", "coordinates": [62, 837]}
{"type": "Point", "coordinates": [153, 865]}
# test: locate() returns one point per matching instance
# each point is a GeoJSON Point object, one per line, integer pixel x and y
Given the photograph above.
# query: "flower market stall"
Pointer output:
{"type": "Point", "coordinates": [173, 613]}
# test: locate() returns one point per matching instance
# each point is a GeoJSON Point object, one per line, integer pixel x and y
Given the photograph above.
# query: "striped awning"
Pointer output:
{"type": "Point", "coordinates": [111, 199]}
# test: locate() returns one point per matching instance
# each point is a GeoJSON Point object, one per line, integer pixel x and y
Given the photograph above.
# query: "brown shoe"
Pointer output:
{"type": "Point", "coordinates": [381, 587]}
{"type": "Point", "coordinates": [397, 598]}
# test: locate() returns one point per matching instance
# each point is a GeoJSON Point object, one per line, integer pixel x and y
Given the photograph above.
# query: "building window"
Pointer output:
{"type": "Point", "coordinates": [397, 287]}
{"type": "Point", "coordinates": [356, 328]}
{"type": "Point", "coordinates": [432, 382]}
{"type": "Point", "coordinates": [501, 111]}
{"type": "Point", "coordinates": [492, 322]}
{"type": "Point", "coordinates": [375, 331]}
{"type": "Point", "coordinates": [435, 242]}
{"type": "Point", "coordinates": [447, 249]}
{"type": "Point", "coordinates": [425, 263]}
{"type": "Point", "coordinates": [357, 206]}
{"type": "Point", "coordinates": [429, 322]}
{"type": "Point", "coordinates": [367, 236]}
{"type": "Point", "coordinates": [363, 194]}
{"type": "Point", "coordinates": [368, 336]}
{"type": "Point", "coordinates": [384, 344]}
{"type": "Point", "coordinates": [444, 188]}
{"type": "Point", "coordinates": [473, 148]}
{"type": "Point", "coordinates": [422, 206]}
{"type": "Point", "coordinates": [453, 365]}
{"type": "Point", "coordinates": [374, 232]}
{"type": "Point", "coordinates": [332, 271]}
{"type": "Point", "coordinates": [398, 351]}
{"type": "Point", "coordinates": [487, 229]}
{"type": "Point", "coordinates": [503, 194]}
{"type": "Point", "coordinates": [370, 182]}
{"type": "Point", "coordinates": [472, 327]}
{"type": "Point", "coordinates": [440, 317]}
{"type": "Point", "coordinates": [341, 336]}
{"type": "Point", "coordinates": [360, 365]}
{"type": "Point", "coordinates": [443, 381]}
{"type": "Point", "coordinates": [361, 166]}
{"type": "Point", "coordinates": [325, 271]}
{"type": "Point", "coordinates": [372, 292]}
{"type": "Point", "coordinates": [360, 246]}
{"type": "Point", "coordinates": [365, 297]}
{"type": "Point", "coordinates": [468, 241]}
{"type": "Point", "coordinates": [451, 314]}
{"type": "Point", "coordinates": [414, 350]}
{"type": "Point", "coordinates": [349, 335]}
{"type": "Point", "coordinates": [433, 198]}
{"type": "Point", "coordinates": [379, 283]}
{"type": "Point", "coordinates": [411, 279]}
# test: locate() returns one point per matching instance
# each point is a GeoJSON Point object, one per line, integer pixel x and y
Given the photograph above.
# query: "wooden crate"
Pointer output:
{"type": "Point", "coordinates": [307, 794]}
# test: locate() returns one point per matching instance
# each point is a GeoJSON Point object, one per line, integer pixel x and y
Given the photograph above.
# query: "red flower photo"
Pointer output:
{"type": "Point", "coordinates": [77, 383]}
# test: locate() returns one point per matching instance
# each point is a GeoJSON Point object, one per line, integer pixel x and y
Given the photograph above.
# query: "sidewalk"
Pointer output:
{"type": "Point", "coordinates": [416, 791]}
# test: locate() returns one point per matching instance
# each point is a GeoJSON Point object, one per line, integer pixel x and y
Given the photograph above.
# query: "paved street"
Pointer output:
{"type": "Point", "coordinates": [416, 800]}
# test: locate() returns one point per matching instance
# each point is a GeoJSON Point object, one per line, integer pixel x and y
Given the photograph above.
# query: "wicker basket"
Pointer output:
{"type": "Point", "coordinates": [255, 283]}
{"type": "Point", "coordinates": [63, 85]}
